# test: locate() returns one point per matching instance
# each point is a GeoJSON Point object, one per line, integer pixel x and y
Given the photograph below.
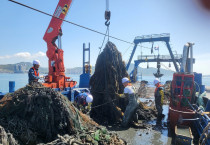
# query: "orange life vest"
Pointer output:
{"type": "Point", "coordinates": [159, 85]}
{"type": "Point", "coordinates": [35, 72]}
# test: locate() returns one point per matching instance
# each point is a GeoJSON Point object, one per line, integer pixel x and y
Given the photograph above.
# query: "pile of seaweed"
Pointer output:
{"type": "Point", "coordinates": [37, 114]}
{"type": "Point", "coordinates": [106, 83]}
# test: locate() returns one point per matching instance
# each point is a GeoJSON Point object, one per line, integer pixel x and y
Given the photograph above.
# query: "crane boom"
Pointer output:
{"type": "Point", "coordinates": [56, 77]}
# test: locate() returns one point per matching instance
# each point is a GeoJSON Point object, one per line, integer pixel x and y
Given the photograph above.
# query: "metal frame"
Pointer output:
{"type": "Point", "coordinates": [165, 37]}
{"type": "Point", "coordinates": [84, 54]}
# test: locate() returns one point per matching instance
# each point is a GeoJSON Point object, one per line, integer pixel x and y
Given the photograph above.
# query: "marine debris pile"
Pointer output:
{"type": "Point", "coordinates": [167, 91]}
{"type": "Point", "coordinates": [100, 136]}
{"type": "Point", "coordinates": [106, 83]}
{"type": "Point", "coordinates": [36, 114]}
{"type": "Point", "coordinates": [146, 113]}
{"type": "Point", "coordinates": [142, 91]}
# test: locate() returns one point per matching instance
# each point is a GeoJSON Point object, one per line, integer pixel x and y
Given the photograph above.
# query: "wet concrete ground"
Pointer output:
{"type": "Point", "coordinates": [148, 136]}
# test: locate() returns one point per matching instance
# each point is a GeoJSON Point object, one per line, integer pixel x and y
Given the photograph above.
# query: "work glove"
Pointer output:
{"type": "Point", "coordinates": [121, 95]}
{"type": "Point", "coordinates": [41, 77]}
{"type": "Point", "coordinates": [88, 107]}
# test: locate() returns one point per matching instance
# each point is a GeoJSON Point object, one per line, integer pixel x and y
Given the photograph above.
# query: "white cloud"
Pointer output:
{"type": "Point", "coordinates": [39, 54]}
{"type": "Point", "coordinates": [5, 57]}
{"type": "Point", "coordinates": [24, 55]}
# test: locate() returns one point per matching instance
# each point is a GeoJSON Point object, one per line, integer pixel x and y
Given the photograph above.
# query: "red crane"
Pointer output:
{"type": "Point", "coordinates": [56, 77]}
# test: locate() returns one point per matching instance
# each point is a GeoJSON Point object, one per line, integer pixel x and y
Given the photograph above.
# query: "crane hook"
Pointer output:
{"type": "Point", "coordinates": [107, 23]}
{"type": "Point", "coordinates": [107, 17]}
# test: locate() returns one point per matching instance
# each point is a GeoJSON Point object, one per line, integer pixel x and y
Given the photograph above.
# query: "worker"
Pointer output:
{"type": "Point", "coordinates": [83, 101]}
{"type": "Point", "coordinates": [129, 91]}
{"type": "Point", "coordinates": [159, 96]}
{"type": "Point", "coordinates": [33, 73]}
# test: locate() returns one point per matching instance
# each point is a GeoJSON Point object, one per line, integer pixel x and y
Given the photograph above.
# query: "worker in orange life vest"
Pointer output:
{"type": "Point", "coordinates": [159, 96]}
{"type": "Point", "coordinates": [33, 73]}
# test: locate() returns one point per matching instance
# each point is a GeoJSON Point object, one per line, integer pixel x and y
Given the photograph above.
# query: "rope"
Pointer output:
{"type": "Point", "coordinates": [204, 134]}
{"type": "Point", "coordinates": [108, 31]}
{"type": "Point", "coordinates": [103, 41]}
{"type": "Point", "coordinates": [103, 104]}
{"type": "Point", "coordinates": [76, 24]}
{"type": "Point", "coordinates": [71, 22]}
{"type": "Point", "coordinates": [126, 50]}
{"type": "Point", "coordinates": [166, 67]}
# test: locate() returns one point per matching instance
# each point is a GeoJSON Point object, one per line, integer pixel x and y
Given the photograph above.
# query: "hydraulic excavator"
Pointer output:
{"type": "Point", "coordinates": [56, 77]}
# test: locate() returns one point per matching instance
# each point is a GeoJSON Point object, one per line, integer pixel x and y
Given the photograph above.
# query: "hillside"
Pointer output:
{"type": "Point", "coordinates": [143, 71]}
{"type": "Point", "coordinates": [23, 67]}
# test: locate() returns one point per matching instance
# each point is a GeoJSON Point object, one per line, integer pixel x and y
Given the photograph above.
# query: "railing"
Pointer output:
{"type": "Point", "coordinates": [145, 57]}
{"type": "Point", "coordinates": [153, 36]}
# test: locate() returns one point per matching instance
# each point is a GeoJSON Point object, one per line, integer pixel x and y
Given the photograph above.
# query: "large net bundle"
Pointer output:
{"type": "Point", "coordinates": [39, 114]}
{"type": "Point", "coordinates": [106, 83]}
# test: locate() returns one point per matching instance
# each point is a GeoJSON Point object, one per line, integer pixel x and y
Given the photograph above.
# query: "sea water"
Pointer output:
{"type": "Point", "coordinates": [22, 79]}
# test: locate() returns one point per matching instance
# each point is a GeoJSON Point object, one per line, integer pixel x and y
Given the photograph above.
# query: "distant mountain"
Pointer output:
{"type": "Point", "coordinates": [150, 71]}
{"type": "Point", "coordinates": [77, 70]}
{"type": "Point", "coordinates": [23, 67]}
{"type": "Point", "coordinates": [143, 71]}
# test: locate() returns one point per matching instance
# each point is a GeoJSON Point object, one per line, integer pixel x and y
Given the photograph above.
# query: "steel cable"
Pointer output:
{"type": "Point", "coordinates": [70, 22]}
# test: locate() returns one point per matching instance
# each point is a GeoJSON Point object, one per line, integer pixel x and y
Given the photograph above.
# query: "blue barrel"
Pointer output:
{"type": "Point", "coordinates": [11, 86]}
{"type": "Point", "coordinates": [202, 89]}
{"type": "Point", "coordinates": [208, 106]}
{"type": "Point", "coordinates": [198, 80]}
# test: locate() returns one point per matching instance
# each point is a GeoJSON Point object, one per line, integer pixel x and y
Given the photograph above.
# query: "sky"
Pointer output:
{"type": "Point", "coordinates": [22, 29]}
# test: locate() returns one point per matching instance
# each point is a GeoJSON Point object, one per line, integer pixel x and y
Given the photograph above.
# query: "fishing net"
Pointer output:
{"type": "Point", "coordinates": [106, 83]}
{"type": "Point", "coordinates": [38, 114]}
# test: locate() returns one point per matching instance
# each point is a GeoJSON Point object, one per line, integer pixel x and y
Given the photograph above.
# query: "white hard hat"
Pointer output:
{"type": "Point", "coordinates": [156, 81]}
{"type": "Point", "coordinates": [89, 98]}
{"type": "Point", "coordinates": [36, 62]}
{"type": "Point", "coordinates": [125, 79]}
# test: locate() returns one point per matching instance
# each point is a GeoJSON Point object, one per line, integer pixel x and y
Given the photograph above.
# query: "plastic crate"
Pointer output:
{"type": "Point", "coordinates": [183, 135]}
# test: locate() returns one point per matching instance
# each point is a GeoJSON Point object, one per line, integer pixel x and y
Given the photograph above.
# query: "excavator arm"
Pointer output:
{"type": "Point", "coordinates": [56, 77]}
